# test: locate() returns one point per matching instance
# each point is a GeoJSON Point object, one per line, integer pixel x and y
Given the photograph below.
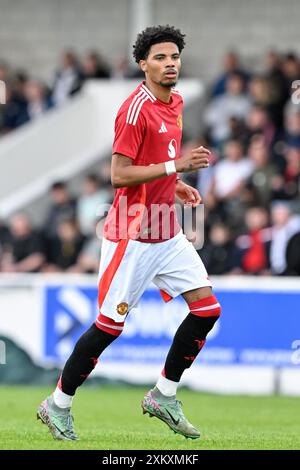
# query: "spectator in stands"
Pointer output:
{"type": "Point", "coordinates": [93, 66]}
{"type": "Point", "coordinates": [37, 100]}
{"type": "Point", "coordinates": [278, 87]}
{"type": "Point", "coordinates": [14, 111]}
{"type": "Point", "coordinates": [260, 91]}
{"type": "Point", "coordinates": [89, 258]}
{"type": "Point", "coordinates": [219, 253]}
{"type": "Point", "coordinates": [88, 204]}
{"type": "Point", "coordinates": [19, 83]}
{"type": "Point", "coordinates": [228, 182]}
{"type": "Point", "coordinates": [3, 78]}
{"type": "Point", "coordinates": [203, 181]}
{"type": "Point", "coordinates": [265, 93]}
{"type": "Point", "coordinates": [254, 246]}
{"type": "Point", "coordinates": [286, 186]}
{"type": "Point", "coordinates": [4, 234]}
{"type": "Point", "coordinates": [4, 240]}
{"type": "Point", "coordinates": [25, 250]}
{"type": "Point", "coordinates": [237, 129]}
{"type": "Point", "coordinates": [265, 179]}
{"type": "Point", "coordinates": [4, 71]}
{"type": "Point", "coordinates": [233, 103]}
{"type": "Point", "coordinates": [63, 207]}
{"type": "Point", "coordinates": [292, 129]}
{"type": "Point", "coordinates": [64, 249]}
{"type": "Point", "coordinates": [291, 70]}
{"type": "Point", "coordinates": [231, 65]}
{"type": "Point", "coordinates": [123, 69]}
{"type": "Point", "coordinates": [68, 79]}
{"type": "Point", "coordinates": [285, 224]}
{"type": "Point", "coordinates": [258, 122]}
{"type": "Point", "coordinates": [292, 173]}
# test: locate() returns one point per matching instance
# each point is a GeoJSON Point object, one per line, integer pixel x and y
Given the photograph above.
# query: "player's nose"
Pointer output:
{"type": "Point", "coordinates": [170, 64]}
{"type": "Point", "coordinates": [170, 67]}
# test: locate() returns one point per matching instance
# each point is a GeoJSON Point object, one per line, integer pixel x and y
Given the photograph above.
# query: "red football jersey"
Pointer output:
{"type": "Point", "coordinates": [148, 131]}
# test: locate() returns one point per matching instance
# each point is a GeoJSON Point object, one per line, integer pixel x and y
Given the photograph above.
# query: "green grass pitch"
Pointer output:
{"type": "Point", "coordinates": [110, 418]}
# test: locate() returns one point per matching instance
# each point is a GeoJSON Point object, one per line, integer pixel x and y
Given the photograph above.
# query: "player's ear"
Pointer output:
{"type": "Point", "coordinates": [143, 65]}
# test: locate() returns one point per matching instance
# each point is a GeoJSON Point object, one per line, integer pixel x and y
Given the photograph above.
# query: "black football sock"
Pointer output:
{"type": "Point", "coordinates": [187, 343]}
{"type": "Point", "coordinates": [84, 358]}
{"type": "Point", "coordinates": [191, 336]}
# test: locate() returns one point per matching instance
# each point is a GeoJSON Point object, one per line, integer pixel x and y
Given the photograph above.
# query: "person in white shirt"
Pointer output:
{"type": "Point", "coordinates": [231, 173]}
{"type": "Point", "coordinates": [89, 202]}
{"type": "Point", "coordinates": [285, 225]}
{"type": "Point", "coordinates": [68, 79]}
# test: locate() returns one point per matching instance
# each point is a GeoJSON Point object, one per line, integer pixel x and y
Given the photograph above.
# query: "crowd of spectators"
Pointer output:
{"type": "Point", "coordinates": [251, 191]}
{"type": "Point", "coordinates": [251, 122]}
{"type": "Point", "coordinates": [28, 98]}
{"type": "Point", "coordinates": [67, 240]}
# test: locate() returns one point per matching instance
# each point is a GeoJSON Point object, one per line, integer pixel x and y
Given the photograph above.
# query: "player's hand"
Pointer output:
{"type": "Point", "coordinates": [187, 194]}
{"type": "Point", "coordinates": [197, 159]}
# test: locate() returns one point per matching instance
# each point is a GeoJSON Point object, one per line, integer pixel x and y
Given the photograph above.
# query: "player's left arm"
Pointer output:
{"type": "Point", "coordinates": [187, 194]}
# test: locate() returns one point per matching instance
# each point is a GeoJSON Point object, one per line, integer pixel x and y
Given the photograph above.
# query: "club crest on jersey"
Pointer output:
{"type": "Point", "coordinates": [179, 121]}
{"type": "Point", "coordinates": [122, 308]}
{"type": "Point", "coordinates": [172, 149]}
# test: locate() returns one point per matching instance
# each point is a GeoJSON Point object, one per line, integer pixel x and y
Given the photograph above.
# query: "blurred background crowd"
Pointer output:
{"type": "Point", "coordinates": [250, 122]}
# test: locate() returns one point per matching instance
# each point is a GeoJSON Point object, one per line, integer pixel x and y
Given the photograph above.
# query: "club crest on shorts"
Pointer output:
{"type": "Point", "coordinates": [122, 308]}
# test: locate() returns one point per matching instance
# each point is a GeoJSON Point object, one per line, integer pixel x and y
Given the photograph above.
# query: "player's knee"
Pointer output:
{"type": "Point", "coordinates": [111, 332]}
{"type": "Point", "coordinates": [204, 313]}
{"type": "Point", "coordinates": [206, 307]}
{"type": "Point", "coordinates": [109, 326]}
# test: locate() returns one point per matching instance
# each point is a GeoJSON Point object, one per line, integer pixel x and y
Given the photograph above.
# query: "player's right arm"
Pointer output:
{"type": "Point", "coordinates": [125, 174]}
{"type": "Point", "coordinates": [129, 136]}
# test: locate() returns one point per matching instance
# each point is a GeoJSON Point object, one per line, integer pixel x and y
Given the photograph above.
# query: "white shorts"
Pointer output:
{"type": "Point", "coordinates": [128, 267]}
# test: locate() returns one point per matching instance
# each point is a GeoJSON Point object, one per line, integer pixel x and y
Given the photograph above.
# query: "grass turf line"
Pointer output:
{"type": "Point", "coordinates": [111, 418]}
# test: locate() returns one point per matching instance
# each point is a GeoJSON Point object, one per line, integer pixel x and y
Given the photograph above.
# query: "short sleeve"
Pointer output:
{"type": "Point", "coordinates": [128, 136]}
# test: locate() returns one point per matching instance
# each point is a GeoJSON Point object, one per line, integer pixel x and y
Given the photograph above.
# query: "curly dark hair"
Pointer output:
{"type": "Point", "coordinates": [154, 35]}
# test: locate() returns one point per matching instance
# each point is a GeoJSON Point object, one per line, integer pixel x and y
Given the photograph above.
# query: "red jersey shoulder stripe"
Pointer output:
{"type": "Point", "coordinates": [135, 107]}
{"type": "Point", "coordinates": [136, 97]}
{"type": "Point", "coordinates": [139, 109]}
{"type": "Point", "coordinates": [148, 92]}
{"type": "Point", "coordinates": [137, 102]}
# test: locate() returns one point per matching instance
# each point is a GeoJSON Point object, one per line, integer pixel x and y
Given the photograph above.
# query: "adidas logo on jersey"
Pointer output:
{"type": "Point", "coordinates": [163, 128]}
